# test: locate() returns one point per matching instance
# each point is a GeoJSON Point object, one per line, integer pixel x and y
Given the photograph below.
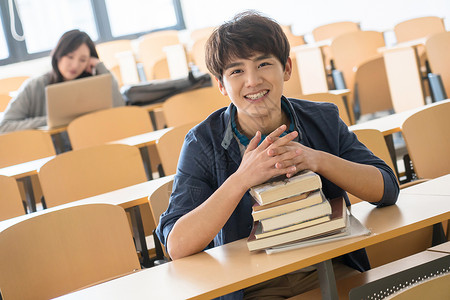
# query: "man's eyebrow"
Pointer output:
{"type": "Point", "coordinates": [257, 58]}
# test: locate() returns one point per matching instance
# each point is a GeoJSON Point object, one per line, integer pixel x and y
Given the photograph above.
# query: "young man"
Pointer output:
{"type": "Point", "coordinates": [260, 135]}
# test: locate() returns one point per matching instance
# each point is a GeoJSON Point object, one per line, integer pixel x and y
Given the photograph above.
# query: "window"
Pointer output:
{"type": "Point", "coordinates": [53, 17]}
{"type": "Point", "coordinates": [44, 21]}
{"type": "Point", "coordinates": [4, 53]}
{"type": "Point", "coordinates": [131, 16]}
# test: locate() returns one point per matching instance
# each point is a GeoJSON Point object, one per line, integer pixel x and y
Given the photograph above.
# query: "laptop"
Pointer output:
{"type": "Point", "coordinates": [69, 100]}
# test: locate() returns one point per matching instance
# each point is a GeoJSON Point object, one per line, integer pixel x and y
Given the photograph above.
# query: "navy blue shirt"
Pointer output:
{"type": "Point", "coordinates": [211, 153]}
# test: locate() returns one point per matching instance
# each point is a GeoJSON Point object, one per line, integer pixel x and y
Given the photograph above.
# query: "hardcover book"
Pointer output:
{"type": "Point", "coordinates": [336, 223]}
{"type": "Point", "coordinates": [297, 216]}
{"type": "Point", "coordinates": [286, 205]}
{"type": "Point", "coordinates": [282, 187]}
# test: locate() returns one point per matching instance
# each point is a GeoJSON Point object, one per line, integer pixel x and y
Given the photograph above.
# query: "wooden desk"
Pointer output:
{"type": "Point", "coordinates": [142, 141]}
{"type": "Point", "coordinates": [22, 172]}
{"type": "Point", "coordinates": [231, 267]}
{"type": "Point", "coordinates": [444, 248]}
{"type": "Point", "coordinates": [404, 75]}
{"type": "Point", "coordinates": [391, 124]}
{"type": "Point", "coordinates": [439, 186]}
{"type": "Point", "coordinates": [128, 198]}
{"type": "Point", "coordinates": [311, 67]}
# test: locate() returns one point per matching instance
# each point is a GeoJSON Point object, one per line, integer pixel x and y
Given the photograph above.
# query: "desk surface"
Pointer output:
{"type": "Point", "coordinates": [31, 167]}
{"type": "Point", "coordinates": [25, 169]}
{"type": "Point", "coordinates": [438, 186]}
{"type": "Point", "coordinates": [144, 139]}
{"type": "Point", "coordinates": [392, 123]}
{"type": "Point", "coordinates": [444, 248]}
{"type": "Point", "coordinates": [231, 267]}
{"type": "Point", "coordinates": [126, 197]}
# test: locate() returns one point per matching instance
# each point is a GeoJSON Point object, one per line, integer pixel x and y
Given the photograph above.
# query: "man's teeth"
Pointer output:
{"type": "Point", "coordinates": [256, 96]}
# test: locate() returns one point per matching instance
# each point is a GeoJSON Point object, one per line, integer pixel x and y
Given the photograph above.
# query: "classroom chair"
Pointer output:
{"type": "Point", "coordinates": [10, 199]}
{"type": "Point", "coordinates": [329, 32]}
{"type": "Point", "coordinates": [294, 40]}
{"type": "Point", "coordinates": [169, 147]}
{"type": "Point", "coordinates": [427, 139]}
{"type": "Point", "coordinates": [352, 49]}
{"type": "Point", "coordinates": [113, 124]}
{"type": "Point", "coordinates": [332, 30]}
{"type": "Point", "coordinates": [160, 69]}
{"type": "Point", "coordinates": [401, 246]}
{"type": "Point", "coordinates": [193, 106]}
{"type": "Point", "coordinates": [338, 100]}
{"type": "Point", "coordinates": [417, 28]}
{"type": "Point", "coordinates": [11, 84]}
{"type": "Point", "coordinates": [159, 201]}
{"type": "Point", "coordinates": [371, 88]}
{"type": "Point", "coordinates": [108, 125]}
{"type": "Point", "coordinates": [22, 146]}
{"type": "Point", "coordinates": [107, 51]}
{"type": "Point", "coordinates": [4, 101]}
{"type": "Point", "coordinates": [201, 33]}
{"type": "Point", "coordinates": [150, 49]}
{"type": "Point", "coordinates": [71, 248]}
{"type": "Point", "coordinates": [197, 54]}
{"type": "Point", "coordinates": [437, 48]}
{"type": "Point", "coordinates": [293, 86]}
{"type": "Point", "coordinates": [91, 171]}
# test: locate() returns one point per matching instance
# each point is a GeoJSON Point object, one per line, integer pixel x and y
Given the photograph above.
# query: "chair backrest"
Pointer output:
{"type": "Point", "coordinates": [150, 48]}
{"type": "Point", "coordinates": [352, 49]}
{"type": "Point", "coordinates": [372, 87]}
{"type": "Point", "coordinates": [10, 199]}
{"type": "Point", "coordinates": [193, 106]}
{"type": "Point", "coordinates": [427, 139]}
{"type": "Point", "coordinates": [4, 101]}
{"type": "Point", "coordinates": [197, 53]}
{"type": "Point", "coordinates": [418, 28]}
{"type": "Point", "coordinates": [438, 53]}
{"type": "Point", "coordinates": [71, 248]}
{"type": "Point", "coordinates": [201, 33]}
{"type": "Point", "coordinates": [374, 140]}
{"type": "Point", "coordinates": [108, 125]}
{"type": "Point", "coordinates": [332, 98]}
{"type": "Point", "coordinates": [169, 147]}
{"type": "Point", "coordinates": [87, 172]}
{"type": "Point", "coordinates": [294, 40]}
{"type": "Point", "coordinates": [332, 30]}
{"type": "Point", "coordinates": [11, 84]}
{"type": "Point", "coordinates": [160, 69]}
{"type": "Point", "coordinates": [25, 145]}
{"type": "Point", "coordinates": [159, 200]}
{"type": "Point", "coordinates": [107, 51]}
{"type": "Point", "coordinates": [293, 85]}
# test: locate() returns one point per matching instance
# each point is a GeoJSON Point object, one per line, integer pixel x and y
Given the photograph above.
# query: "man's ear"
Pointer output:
{"type": "Point", "coordinates": [221, 87]}
{"type": "Point", "coordinates": [288, 69]}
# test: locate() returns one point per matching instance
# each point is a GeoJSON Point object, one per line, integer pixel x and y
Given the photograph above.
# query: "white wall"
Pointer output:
{"type": "Point", "coordinates": [302, 15]}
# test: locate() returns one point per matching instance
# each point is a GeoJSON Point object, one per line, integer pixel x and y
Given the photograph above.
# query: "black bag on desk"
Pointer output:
{"type": "Point", "coordinates": [159, 90]}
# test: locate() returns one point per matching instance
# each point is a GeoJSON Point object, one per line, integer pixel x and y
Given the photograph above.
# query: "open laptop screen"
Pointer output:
{"type": "Point", "coordinates": [71, 99]}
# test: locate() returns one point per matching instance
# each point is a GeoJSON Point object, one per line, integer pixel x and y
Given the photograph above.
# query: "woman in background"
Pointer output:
{"type": "Point", "coordinates": [73, 57]}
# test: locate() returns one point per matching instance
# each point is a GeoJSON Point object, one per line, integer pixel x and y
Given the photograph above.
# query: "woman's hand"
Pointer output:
{"type": "Point", "coordinates": [90, 68]}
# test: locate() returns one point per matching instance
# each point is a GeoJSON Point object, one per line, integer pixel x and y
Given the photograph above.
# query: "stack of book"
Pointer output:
{"type": "Point", "coordinates": [294, 211]}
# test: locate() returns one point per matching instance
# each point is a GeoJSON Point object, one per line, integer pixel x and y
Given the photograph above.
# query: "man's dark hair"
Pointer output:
{"type": "Point", "coordinates": [248, 32]}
